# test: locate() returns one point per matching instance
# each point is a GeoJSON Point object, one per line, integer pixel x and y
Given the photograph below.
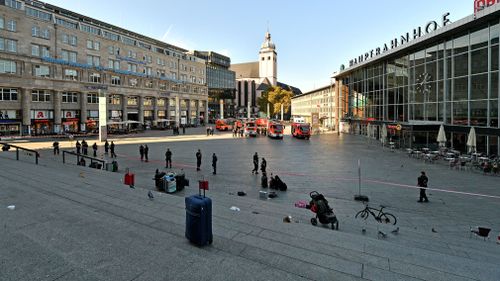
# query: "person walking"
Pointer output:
{"type": "Point", "coordinates": [198, 160]}
{"type": "Point", "coordinates": [106, 147]}
{"type": "Point", "coordinates": [255, 163]}
{"type": "Point", "coordinates": [141, 152]}
{"type": "Point", "coordinates": [183, 129]}
{"type": "Point", "coordinates": [112, 149]}
{"type": "Point", "coordinates": [146, 153]}
{"type": "Point", "coordinates": [422, 182]}
{"type": "Point", "coordinates": [78, 147]}
{"type": "Point", "coordinates": [85, 147]}
{"type": "Point", "coordinates": [94, 147]}
{"type": "Point", "coordinates": [56, 147]}
{"type": "Point", "coordinates": [208, 131]}
{"type": "Point", "coordinates": [168, 158]}
{"type": "Point", "coordinates": [263, 166]}
{"type": "Point", "coordinates": [214, 163]}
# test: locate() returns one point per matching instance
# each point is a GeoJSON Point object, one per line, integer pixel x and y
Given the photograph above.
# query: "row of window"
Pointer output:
{"type": "Point", "coordinates": [10, 26]}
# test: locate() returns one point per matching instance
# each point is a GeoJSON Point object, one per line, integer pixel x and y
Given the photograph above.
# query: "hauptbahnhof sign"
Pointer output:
{"type": "Point", "coordinates": [403, 39]}
{"type": "Point", "coordinates": [480, 5]}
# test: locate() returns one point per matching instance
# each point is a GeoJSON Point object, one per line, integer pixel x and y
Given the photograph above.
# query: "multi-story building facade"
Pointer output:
{"type": "Point", "coordinates": [54, 63]}
{"type": "Point", "coordinates": [320, 103]}
{"type": "Point", "coordinates": [221, 84]}
{"type": "Point", "coordinates": [429, 77]}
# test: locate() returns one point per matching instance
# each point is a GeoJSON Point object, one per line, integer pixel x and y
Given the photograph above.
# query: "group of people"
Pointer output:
{"type": "Point", "coordinates": [238, 132]}
{"type": "Point", "coordinates": [168, 160]}
{"type": "Point", "coordinates": [210, 131]}
{"type": "Point", "coordinates": [176, 130]}
{"type": "Point", "coordinates": [82, 148]}
{"type": "Point", "coordinates": [144, 152]}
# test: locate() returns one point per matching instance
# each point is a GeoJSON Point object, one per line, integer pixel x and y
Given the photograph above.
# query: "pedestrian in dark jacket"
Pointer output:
{"type": "Point", "coordinates": [255, 164]}
{"type": "Point", "coordinates": [112, 149]}
{"type": "Point", "coordinates": [214, 163]}
{"type": "Point", "coordinates": [78, 147]}
{"type": "Point", "coordinates": [168, 158]}
{"type": "Point", "coordinates": [146, 153]}
{"type": "Point", "coordinates": [422, 182]}
{"type": "Point", "coordinates": [94, 147]}
{"type": "Point", "coordinates": [85, 147]}
{"type": "Point", "coordinates": [183, 129]}
{"type": "Point", "coordinates": [198, 160]}
{"type": "Point", "coordinates": [56, 147]}
{"type": "Point", "coordinates": [263, 165]}
{"type": "Point", "coordinates": [106, 147]}
{"type": "Point", "coordinates": [141, 152]}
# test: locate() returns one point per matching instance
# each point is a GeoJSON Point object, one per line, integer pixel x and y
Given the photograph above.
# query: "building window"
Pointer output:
{"type": "Point", "coordinates": [115, 80]}
{"type": "Point", "coordinates": [40, 33]}
{"type": "Point", "coordinates": [163, 86]}
{"type": "Point", "coordinates": [8, 45]}
{"type": "Point", "coordinates": [148, 71]}
{"type": "Point", "coordinates": [132, 54]}
{"type": "Point", "coordinates": [149, 84]}
{"type": "Point", "coordinates": [12, 25]}
{"type": "Point", "coordinates": [69, 56]}
{"type": "Point", "coordinates": [38, 14]}
{"type": "Point", "coordinates": [7, 67]}
{"type": "Point", "coordinates": [13, 4]}
{"type": "Point", "coordinates": [7, 94]}
{"type": "Point", "coordinates": [92, 98]}
{"type": "Point", "coordinates": [160, 102]}
{"type": "Point", "coordinates": [69, 97]}
{"type": "Point", "coordinates": [93, 45]}
{"type": "Point", "coordinates": [71, 74]}
{"type": "Point", "coordinates": [114, 99]}
{"type": "Point", "coordinates": [132, 67]}
{"type": "Point", "coordinates": [2, 26]}
{"type": "Point", "coordinates": [69, 39]}
{"type": "Point", "coordinates": [42, 71]}
{"type": "Point", "coordinates": [40, 96]}
{"type": "Point", "coordinates": [67, 24]}
{"type": "Point", "coordinates": [93, 60]}
{"type": "Point", "coordinates": [113, 64]}
{"type": "Point", "coordinates": [40, 51]}
{"type": "Point", "coordinates": [132, 101]}
{"type": "Point", "coordinates": [90, 29]}
{"type": "Point", "coordinates": [148, 101]}
{"type": "Point", "coordinates": [95, 78]}
{"type": "Point", "coordinates": [132, 82]}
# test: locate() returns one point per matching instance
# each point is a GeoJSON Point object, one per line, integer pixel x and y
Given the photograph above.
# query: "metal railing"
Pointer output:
{"type": "Point", "coordinates": [37, 155]}
{"type": "Point", "coordinates": [79, 156]}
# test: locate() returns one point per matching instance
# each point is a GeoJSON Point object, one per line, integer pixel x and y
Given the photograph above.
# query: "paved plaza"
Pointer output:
{"type": "Point", "coordinates": [76, 223]}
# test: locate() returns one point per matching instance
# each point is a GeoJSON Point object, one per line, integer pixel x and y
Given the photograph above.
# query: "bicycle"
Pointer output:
{"type": "Point", "coordinates": [381, 217]}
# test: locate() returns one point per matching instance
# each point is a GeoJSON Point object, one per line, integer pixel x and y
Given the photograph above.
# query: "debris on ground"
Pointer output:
{"type": "Point", "coordinates": [11, 207]}
{"type": "Point", "coordinates": [242, 193]}
{"type": "Point", "coordinates": [233, 208]}
{"type": "Point", "coordinates": [287, 219]}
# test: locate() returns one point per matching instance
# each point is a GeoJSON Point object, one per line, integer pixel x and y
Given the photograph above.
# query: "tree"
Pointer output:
{"type": "Point", "coordinates": [275, 96]}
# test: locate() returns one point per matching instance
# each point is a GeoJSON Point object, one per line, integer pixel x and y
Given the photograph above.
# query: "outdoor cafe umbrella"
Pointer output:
{"type": "Point", "coordinates": [471, 140]}
{"type": "Point", "coordinates": [383, 136]}
{"type": "Point", "coordinates": [441, 139]}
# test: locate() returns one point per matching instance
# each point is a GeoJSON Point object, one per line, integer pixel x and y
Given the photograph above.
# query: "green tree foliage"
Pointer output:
{"type": "Point", "coordinates": [275, 96]}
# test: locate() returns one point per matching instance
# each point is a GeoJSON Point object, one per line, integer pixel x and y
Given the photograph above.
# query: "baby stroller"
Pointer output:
{"type": "Point", "coordinates": [319, 206]}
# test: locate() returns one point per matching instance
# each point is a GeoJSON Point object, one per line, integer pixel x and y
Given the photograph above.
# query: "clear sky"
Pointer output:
{"type": "Point", "coordinates": [313, 38]}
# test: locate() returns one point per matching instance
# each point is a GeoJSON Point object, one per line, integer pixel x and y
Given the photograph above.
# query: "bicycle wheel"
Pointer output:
{"type": "Point", "coordinates": [363, 214]}
{"type": "Point", "coordinates": [388, 218]}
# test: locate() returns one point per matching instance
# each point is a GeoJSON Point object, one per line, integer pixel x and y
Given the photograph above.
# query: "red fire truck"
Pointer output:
{"type": "Point", "coordinates": [301, 130]}
{"type": "Point", "coordinates": [275, 130]}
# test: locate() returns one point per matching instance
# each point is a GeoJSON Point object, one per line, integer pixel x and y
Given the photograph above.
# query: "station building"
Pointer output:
{"type": "Point", "coordinates": [54, 63]}
{"type": "Point", "coordinates": [442, 72]}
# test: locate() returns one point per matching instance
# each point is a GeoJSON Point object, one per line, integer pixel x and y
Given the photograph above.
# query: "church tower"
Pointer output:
{"type": "Point", "coordinates": [268, 61]}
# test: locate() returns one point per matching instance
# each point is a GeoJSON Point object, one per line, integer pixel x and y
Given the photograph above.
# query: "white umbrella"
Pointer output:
{"type": "Point", "coordinates": [383, 137]}
{"type": "Point", "coordinates": [471, 140]}
{"type": "Point", "coordinates": [441, 139]}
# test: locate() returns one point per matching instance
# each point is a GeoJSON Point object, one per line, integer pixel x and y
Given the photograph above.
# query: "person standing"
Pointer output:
{"type": "Point", "coordinates": [94, 147]}
{"type": "Point", "coordinates": [214, 163]}
{"type": "Point", "coordinates": [208, 131]}
{"type": "Point", "coordinates": [198, 160]}
{"type": "Point", "coordinates": [183, 129]}
{"type": "Point", "coordinates": [255, 164]}
{"type": "Point", "coordinates": [78, 147]}
{"type": "Point", "coordinates": [141, 152]}
{"type": "Point", "coordinates": [56, 147]}
{"type": "Point", "coordinates": [112, 149]}
{"type": "Point", "coordinates": [168, 158]}
{"type": "Point", "coordinates": [106, 147]}
{"type": "Point", "coordinates": [146, 153]}
{"type": "Point", "coordinates": [263, 166]}
{"type": "Point", "coordinates": [85, 147]}
{"type": "Point", "coordinates": [422, 182]}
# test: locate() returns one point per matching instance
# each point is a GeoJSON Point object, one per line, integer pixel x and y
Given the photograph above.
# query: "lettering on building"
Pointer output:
{"type": "Point", "coordinates": [407, 37]}
{"type": "Point", "coordinates": [480, 5]}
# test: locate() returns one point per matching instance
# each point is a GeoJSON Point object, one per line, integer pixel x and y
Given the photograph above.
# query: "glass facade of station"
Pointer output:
{"type": "Point", "coordinates": [454, 81]}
